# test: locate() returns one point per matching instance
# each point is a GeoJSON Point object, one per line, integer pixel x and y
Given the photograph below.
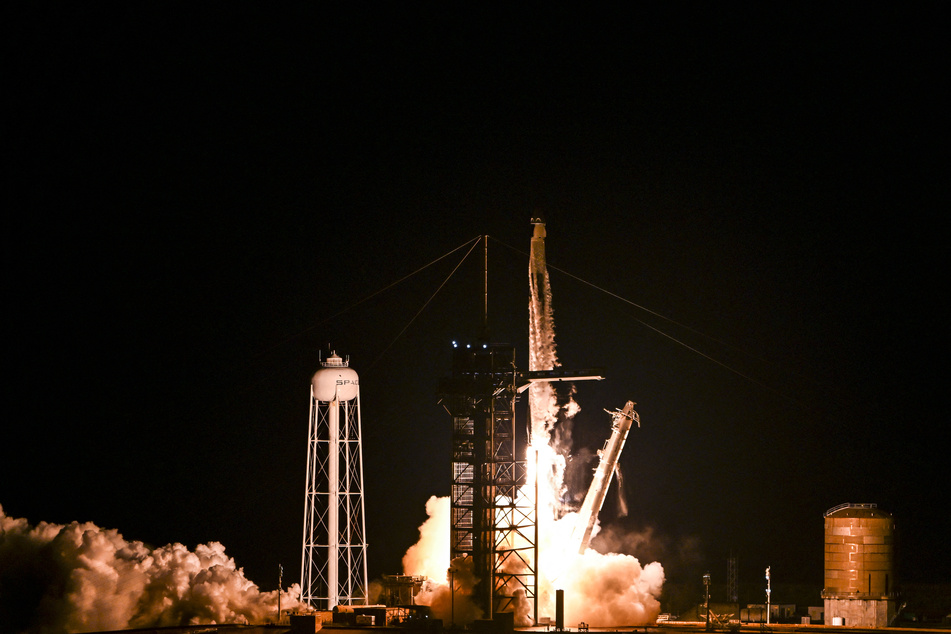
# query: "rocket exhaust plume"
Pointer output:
{"type": "Point", "coordinates": [83, 578]}
{"type": "Point", "coordinates": [604, 590]}
{"type": "Point", "coordinates": [542, 399]}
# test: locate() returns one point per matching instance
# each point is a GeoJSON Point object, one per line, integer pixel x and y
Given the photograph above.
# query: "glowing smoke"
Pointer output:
{"type": "Point", "coordinates": [429, 558]}
{"type": "Point", "coordinates": [607, 590]}
{"type": "Point", "coordinates": [83, 578]}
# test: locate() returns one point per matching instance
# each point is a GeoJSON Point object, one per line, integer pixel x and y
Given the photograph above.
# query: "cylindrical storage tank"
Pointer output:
{"type": "Point", "coordinates": [859, 552]}
{"type": "Point", "coordinates": [335, 381]}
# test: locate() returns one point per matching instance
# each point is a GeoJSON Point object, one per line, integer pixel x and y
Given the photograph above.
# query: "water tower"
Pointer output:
{"type": "Point", "coordinates": [334, 551]}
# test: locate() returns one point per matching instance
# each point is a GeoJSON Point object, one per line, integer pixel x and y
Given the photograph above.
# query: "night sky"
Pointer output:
{"type": "Point", "coordinates": [195, 193]}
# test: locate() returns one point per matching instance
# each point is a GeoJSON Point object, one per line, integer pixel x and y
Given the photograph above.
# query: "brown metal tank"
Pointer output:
{"type": "Point", "coordinates": [859, 552]}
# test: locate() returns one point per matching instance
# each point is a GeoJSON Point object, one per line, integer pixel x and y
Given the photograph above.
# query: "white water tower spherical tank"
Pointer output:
{"type": "Point", "coordinates": [335, 381]}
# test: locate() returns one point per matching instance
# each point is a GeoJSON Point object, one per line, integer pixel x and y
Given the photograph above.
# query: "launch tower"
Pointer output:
{"type": "Point", "coordinates": [334, 550]}
{"type": "Point", "coordinates": [493, 518]}
{"type": "Point", "coordinates": [491, 526]}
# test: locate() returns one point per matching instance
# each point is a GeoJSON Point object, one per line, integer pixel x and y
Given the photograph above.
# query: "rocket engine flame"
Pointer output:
{"type": "Point", "coordinates": [83, 578]}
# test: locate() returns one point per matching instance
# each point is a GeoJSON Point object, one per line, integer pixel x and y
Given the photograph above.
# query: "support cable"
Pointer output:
{"type": "Point", "coordinates": [426, 303]}
{"type": "Point", "coordinates": [671, 337]}
{"type": "Point", "coordinates": [469, 243]}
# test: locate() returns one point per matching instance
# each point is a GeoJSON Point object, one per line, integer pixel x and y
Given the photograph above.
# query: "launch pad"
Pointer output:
{"type": "Point", "coordinates": [494, 528]}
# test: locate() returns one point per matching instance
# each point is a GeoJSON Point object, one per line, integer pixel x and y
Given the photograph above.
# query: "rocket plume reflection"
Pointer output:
{"type": "Point", "coordinates": [603, 590]}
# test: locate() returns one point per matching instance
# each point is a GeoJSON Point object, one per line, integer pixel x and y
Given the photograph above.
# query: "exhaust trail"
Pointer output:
{"type": "Point", "coordinates": [544, 409]}
{"type": "Point", "coordinates": [601, 589]}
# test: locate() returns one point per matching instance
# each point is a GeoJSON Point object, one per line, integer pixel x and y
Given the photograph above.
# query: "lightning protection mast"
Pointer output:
{"type": "Point", "coordinates": [334, 551]}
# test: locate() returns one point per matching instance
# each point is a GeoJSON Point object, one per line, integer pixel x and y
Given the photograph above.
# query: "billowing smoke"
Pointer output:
{"type": "Point", "coordinates": [612, 589]}
{"type": "Point", "coordinates": [83, 578]}
{"type": "Point", "coordinates": [429, 557]}
{"type": "Point", "coordinates": [606, 590]}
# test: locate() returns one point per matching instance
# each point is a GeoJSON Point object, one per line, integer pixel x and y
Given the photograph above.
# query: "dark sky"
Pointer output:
{"type": "Point", "coordinates": [194, 192]}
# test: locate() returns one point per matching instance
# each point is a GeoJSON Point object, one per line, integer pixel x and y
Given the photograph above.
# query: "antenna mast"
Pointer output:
{"type": "Point", "coordinates": [485, 288]}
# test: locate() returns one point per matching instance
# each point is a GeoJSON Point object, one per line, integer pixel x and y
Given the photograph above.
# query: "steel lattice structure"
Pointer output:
{"type": "Point", "coordinates": [492, 525]}
{"type": "Point", "coordinates": [333, 553]}
{"type": "Point", "coordinates": [731, 580]}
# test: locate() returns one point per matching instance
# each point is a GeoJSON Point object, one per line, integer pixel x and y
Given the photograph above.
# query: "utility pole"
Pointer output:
{"type": "Point", "coordinates": [731, 581]}
{"type": "Point", "coordinates": [706, 598]}
{"type": "Point", "coordinates": [452, 597]}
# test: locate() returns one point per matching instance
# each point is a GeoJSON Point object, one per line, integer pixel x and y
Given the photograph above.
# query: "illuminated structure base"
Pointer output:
{"type": "Point", "coordinates": [859, 612]}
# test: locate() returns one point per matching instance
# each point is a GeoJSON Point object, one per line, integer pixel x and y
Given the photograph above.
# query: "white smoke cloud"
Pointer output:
{"type": "Point", "coordinates": [612, 590]}
{"type": "Point", "coordinates": [82, 578]}
{"type": "Point", "coordinates": [429, 557]}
